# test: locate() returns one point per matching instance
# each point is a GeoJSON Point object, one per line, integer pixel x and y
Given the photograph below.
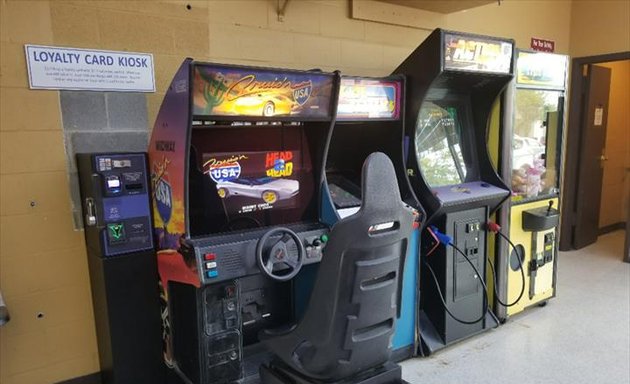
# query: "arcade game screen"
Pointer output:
{"type": "Point", "coordinates": [237, 183]}
{"type": "Point", "coordinates": [439, 143]}
{"type": "Point", "coordinates": [344, 193]}
{"type": "Point", "coordinates": [254, 181]}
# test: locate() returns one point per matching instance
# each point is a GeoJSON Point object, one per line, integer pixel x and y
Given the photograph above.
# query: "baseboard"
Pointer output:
{"type": "Point", "coordinates": [612, 228]}
{"type": "Point", "coordinates": [94, 378]}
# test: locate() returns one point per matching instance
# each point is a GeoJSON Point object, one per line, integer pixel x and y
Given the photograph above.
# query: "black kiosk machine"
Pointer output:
{"type": "Point", "coordinates": [453, 79]}
{"type": "Point", "coordinates": [115, 194]}
{"type": "Point", "coordinates": [237, 156]}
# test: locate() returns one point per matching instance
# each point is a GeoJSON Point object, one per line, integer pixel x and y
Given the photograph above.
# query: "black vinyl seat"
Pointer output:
{"type": "Point", "coordinates": [347, 328]}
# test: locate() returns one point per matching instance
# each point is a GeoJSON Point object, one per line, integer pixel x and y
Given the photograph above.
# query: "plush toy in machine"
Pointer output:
{"type": "Point", "coordinates": [527, 180]}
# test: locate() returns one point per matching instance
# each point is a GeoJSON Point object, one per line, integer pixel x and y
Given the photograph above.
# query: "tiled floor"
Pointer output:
{"type": "Point", "coordinates": [581, 336]}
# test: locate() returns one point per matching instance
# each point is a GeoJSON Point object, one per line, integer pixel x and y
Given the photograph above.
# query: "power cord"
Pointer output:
{"type": "Point", "coordinates": [446, 240]}
{"type": "Point", "coordinates": [495, 228]}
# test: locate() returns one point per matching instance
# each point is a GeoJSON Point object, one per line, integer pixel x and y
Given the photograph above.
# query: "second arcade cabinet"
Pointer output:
{"type": "Point", "coordinates": [370, 118]}
{"type": "Point", "coordinates": [453, 79]}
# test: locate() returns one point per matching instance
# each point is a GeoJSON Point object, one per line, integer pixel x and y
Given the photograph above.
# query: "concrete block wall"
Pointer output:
{"type": "Point", "coordinates": [42, 258]}
{"type": "Point", "coordinates": [100, 122]}
{"type": "Point", "coordinates": [43, 269]}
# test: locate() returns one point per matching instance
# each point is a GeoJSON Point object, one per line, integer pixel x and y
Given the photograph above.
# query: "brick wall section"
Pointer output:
{"type": "Point", "coordinates": [42, 259]}
{"type": "Point", "coordinates": [101, 122]}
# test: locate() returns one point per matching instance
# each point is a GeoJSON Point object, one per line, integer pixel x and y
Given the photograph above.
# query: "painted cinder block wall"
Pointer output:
{"type": "Point", "coordinates": [43, 269]}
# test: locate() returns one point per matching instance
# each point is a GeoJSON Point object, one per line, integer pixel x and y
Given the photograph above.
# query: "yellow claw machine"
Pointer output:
{"type": "Point", "coordinates": [531, 163]}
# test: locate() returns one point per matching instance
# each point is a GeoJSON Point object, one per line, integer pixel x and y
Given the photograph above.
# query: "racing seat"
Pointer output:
{"type": "Point", "coordinates": [345, 334]}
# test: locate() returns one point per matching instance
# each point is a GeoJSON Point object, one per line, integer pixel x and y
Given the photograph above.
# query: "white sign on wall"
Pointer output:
{"type": "Point", "coordinates": [87, 69]}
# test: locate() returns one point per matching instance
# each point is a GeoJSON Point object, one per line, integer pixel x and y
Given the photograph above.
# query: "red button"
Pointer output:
{"type": "Point", "coordinates": [210, 256]}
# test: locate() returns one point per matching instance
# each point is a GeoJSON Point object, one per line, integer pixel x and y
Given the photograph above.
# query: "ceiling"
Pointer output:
{"type": "Point", "coordinates": [440, 6]}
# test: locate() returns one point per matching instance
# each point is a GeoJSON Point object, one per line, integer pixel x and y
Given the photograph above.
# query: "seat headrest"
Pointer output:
{"type": "Point", "coordinates": [379, 183]}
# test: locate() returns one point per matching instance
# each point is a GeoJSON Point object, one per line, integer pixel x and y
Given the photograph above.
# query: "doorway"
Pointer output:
{"type": "Point", "coordinates": [597, 176]}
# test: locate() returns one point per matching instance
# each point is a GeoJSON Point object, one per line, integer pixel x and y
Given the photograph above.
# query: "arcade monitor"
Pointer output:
{"type": "Point", "coordinates": [453, 80]}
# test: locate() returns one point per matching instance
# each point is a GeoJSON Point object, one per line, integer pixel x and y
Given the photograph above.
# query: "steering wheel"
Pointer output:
{"type": "Point", "coordinates": [278, 254]}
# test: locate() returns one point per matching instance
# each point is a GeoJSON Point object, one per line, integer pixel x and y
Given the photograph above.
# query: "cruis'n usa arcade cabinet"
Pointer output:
{"type": "Point", "coordinates": [237, 156]}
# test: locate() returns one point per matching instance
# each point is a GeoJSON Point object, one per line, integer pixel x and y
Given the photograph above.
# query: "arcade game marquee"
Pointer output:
{"type": "Point", "coordinates": [370, 119]}
{"type": "Point", "coordinates": [533, 146]}
{"type": "Point", "coordinates": [237, 156]}
{"type": "Point", "coordinates": [453, 80]}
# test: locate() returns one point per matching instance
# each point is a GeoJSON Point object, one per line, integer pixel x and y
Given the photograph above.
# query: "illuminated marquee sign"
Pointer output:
{"type": "Point", "coordinates": [368, 99]}
{"type": "Point", "coordinates": [234, 91]}
{"type": "Point", "coordinates": [476, 54]}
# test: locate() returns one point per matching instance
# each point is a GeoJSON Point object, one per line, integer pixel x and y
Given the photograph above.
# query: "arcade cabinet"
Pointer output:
{"type": "Point", "coordinates": [533, 146]}
{"type": "Point", "coordinates": [236, 153]}
{"type": "Point", "coordinates": [115, 195]}
{"type": "Point", "coordinates": [453, 80]}
{"type": "Point", "coordinates": [237, 156]}
{"type": "Point", "coordinates": [370, 119]}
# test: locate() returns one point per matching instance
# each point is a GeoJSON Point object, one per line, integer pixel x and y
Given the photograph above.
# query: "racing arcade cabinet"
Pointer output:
{"type": "Point", "coordinates": [533, 147]}
{"type": "Point", "coordinates": [370, 119]}
{"type": "Point", "coordinates": [453, 80]}
{"type": "Point", "coordinates": [237, 157]}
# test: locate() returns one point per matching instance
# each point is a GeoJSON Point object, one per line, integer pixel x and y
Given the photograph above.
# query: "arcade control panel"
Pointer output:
{"type": "Point", "coordinates": [115, 194]}
{"type": "Point", "coordinates": [465, 193]}
{"type": "Point", "coordinates": [236, 300]}
{"type": "Point", "coordinates": [231, 256]}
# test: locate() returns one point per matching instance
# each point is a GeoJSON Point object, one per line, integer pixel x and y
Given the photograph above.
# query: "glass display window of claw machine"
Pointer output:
{"type": "Point", "coordinates": [537, 136]}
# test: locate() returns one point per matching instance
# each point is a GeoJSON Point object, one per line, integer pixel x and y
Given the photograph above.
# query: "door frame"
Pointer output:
{"type": "Point", "coordinates": [573, 136]}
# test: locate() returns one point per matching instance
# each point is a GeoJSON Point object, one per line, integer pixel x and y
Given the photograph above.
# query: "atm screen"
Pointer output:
{"type": "Point", "coordinates": [439, 143]}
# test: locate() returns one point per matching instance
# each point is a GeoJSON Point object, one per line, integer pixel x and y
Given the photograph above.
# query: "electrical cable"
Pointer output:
{"type": "Point", "coordinates": [494, 274]}
{"type": "Point", "coordinates": [439, 291]}
{"type": "Point", "coordinates": [494, 317]}
{"type": "Point", "coordinates": [445, 239]}
{"type": "Point", "coordinates": [483, 283]}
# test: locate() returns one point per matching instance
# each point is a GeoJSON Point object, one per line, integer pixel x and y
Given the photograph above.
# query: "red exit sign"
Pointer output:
{"type": "Point", "coordinates": [543, 45]}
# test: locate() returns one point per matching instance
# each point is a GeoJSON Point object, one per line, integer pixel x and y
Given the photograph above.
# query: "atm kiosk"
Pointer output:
{"type": "Point", "coordinates": [115, 195]}
{"type": "Point", "coordinates": [370, 119]}
{"type": "Point", "coordinates": [453, 79]}
{"type": "Point", "coordinates": [532, 153]}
